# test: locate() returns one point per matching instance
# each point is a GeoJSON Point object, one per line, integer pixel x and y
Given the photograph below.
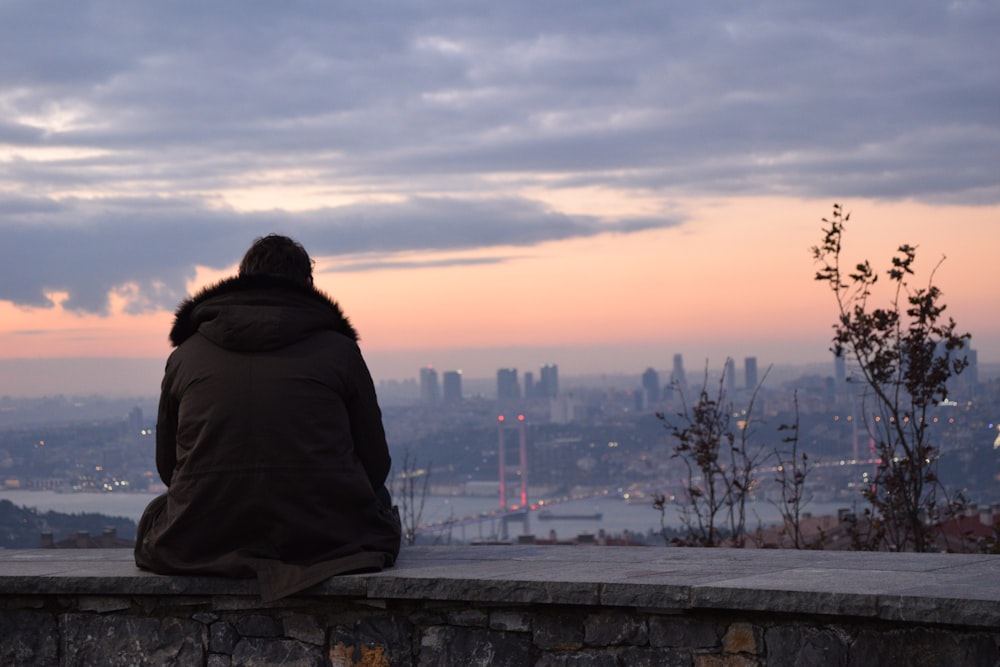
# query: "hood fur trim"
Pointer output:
{"type": "Point", "coordinates": [186, 326]}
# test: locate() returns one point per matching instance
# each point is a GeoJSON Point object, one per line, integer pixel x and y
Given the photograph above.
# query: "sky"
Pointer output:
{"type": "Point", "coordinates": [488, 184]}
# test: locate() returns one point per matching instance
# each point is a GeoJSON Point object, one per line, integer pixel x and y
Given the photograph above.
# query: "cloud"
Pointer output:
{"type": "Point", "coordinates": [86, 249]}
{"type": "Point", "coordinates": [359, 266]}
{"type": "Point", "coordinates": [126, 128]}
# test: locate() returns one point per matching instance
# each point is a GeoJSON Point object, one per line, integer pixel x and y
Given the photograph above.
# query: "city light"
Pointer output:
{"type": "Point", "coordinates": [562, 457]}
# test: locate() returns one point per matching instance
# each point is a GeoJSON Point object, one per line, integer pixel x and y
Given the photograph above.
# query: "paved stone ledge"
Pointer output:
{"type": "Point", "coordinates": [943, 589]}
{"type": "Point", "coordinates": [508, 606]}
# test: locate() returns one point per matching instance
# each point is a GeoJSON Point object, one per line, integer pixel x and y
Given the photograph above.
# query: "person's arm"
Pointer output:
{"type": "Point", "coordinates": [366, 425]}
{"type": "Point", "coordinates": [166, 429]}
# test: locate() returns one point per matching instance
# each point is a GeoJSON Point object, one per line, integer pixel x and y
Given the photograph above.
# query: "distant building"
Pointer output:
{"type": "Point", "coordinates": [750, 367]}
{"type": "Point", "coordinates": [396, 391]}
{"type": "Point", "coordinates": [730, 374]}
{"type": "Point", "coordinates": [134, 419]}
{"type": "Point", "coordinates": [972, 370]}
{"type": "Point", "coordinates": [651, 386]}
{"type": "Point", "coordinates": [452, 386]}
{"type": "Point", "coordinates": [430, 390]}
{"type": "Point", "coordinates": [507, 386]}
{"type": "Point", "coordinates": [840, 368]}
{"type": "Point", "coordinates": [548, 385]}
{"type": "Point", "coordinates": [566, 409]}
{"type": "Point", "coordinates": [964, 386]}
{"type": "Point", "coordinates": [677, 376]}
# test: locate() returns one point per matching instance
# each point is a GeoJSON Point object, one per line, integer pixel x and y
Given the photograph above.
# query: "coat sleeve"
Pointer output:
{"type": "Point", "coordinates": [166, 428]}
{"type": "Point", "coordinates": [366, 426]}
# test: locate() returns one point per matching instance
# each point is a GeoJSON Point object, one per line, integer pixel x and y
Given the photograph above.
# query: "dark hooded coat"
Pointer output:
{"type": "Point", "coordinates": [270, 441]}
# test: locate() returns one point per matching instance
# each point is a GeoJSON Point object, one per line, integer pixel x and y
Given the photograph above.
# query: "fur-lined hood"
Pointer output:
{"type": "Point", "coordinates": [258, 312]}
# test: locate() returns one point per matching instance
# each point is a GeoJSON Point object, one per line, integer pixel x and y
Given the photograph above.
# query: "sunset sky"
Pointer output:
{"type": "Point", "coordinates": [598, 185]}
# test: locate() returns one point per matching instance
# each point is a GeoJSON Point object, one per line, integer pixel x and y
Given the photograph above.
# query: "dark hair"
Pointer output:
{"type": "Point", "coordinates": [278, 255]}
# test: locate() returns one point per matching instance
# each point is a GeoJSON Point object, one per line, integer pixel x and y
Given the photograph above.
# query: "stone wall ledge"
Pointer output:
{"type": "Point", "coordinates": [940, 589]}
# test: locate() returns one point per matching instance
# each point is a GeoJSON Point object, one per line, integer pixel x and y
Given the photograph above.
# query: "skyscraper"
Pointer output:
{"type": "Point", "coordinates": [730, 374]}
{"type": "Point", "coordinates": [840, 369]}
{"type": "Point", "coordinates": [549, 382]}
{"type": "Point", "coordinates": [530, 389]}
{"type": "Point", "coordinates": [972, 370]}
{"type": "Point", "coordinates": [452, 386]}
{"type": "Point", "coordinates": [507, 386]}
{"type": "Point", "coordinates": [430, 390]}
{"type": "Point", "coordinates": [750, 365]}
{"type": "Point", "coordinates": [651, 386]}
{"type": "Point", "coordinates": [135, 424]}
{"type": "Point", "coordinates": [677, 376]}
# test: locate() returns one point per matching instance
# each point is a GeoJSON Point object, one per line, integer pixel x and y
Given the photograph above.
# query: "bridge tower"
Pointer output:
{"type": "Point", "coordinates": [518, 512]}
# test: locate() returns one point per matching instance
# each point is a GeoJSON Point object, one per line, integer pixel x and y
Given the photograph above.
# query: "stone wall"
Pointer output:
{"type": "Point", "coordinates": [554, 606]}
{"type": "Point", "coordinates": [228, 631]}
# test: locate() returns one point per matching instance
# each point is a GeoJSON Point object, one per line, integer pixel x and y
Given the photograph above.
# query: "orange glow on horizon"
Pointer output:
{"type": "Point", "coordinates": [54, 332]}
{"type": "Point", "coordinates": [738, 269]}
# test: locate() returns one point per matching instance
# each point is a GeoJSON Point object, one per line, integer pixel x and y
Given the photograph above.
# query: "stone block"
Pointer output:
{"type": "Point", "coordinates": [659, 596]}
{"type": "Point", "coordinates": [102, 604]}
{"type": "Point", "coordinates": [543, 590]}
{"type": "Point", "coordinates": [423, 616]}
{"type": "Point", "coordinates": [342, 634]}
{"type": "Point", "coordinates": [473, 647]}
{"type": "Point", "coordinates": [921, 647]}
{"type": "Point", "coordinates": [468, 617]}
{"type": "Point", "coordinates": [589, 658]}
{"type": "Point", "coordinates": [645, 656]}
{"type": "Point", "coordinates": [222, 637]}
{"type": "Point", "coordinates": [258, 625]}
{"type": "Point", "coordinates": [803, 645]}
{"type": "Point", "coordinates": [218, 660]}
{"type": "Point", "coordinates": [205, 617]}
{"type": "Point", "coordinates": [263, 652]}
{"type": "Point", "coordinates": [341, 655]}
{"type": "Point", "coordinates": [510, 621]}
{"type": "Point", "coordinates": [957, 604]}
{"type": "Point", "coordinates": [236, 603]}
{"type": "Point", "coordinates": [678, 632]}
{"type": "Point", "coordinates": [304, 627]}
{"type": "Point", "coordinates": [374, 604]}
{"type": "Point", "coordinates": [344, 651]}
{"type": "Point", "coordinates": [730, 660]}
{"type": "Point", "coordinates": [388, 636]}
{"type": "Point", "coordinates": [146, 605]}
{"type": "Point", "coordinates": [743, 638]}
{"type": "Point", "coordinates": [89, 639]}
{"type": "Point", "coordinates": [765, 593]}
{"type": "Point", "coordinates": [28, 638]}
{"type": "Point", "coordinates": [614, 629]}
{"type": "Point", "coordinates": [21, 602]}
{"type": "Point", "coordinates": [557, 633]}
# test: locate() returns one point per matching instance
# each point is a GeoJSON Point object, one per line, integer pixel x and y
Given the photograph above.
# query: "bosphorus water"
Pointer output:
{"type": "Point", "coordinates": [615, 515]}
{"type": "Point", "coordinates": [128, 505]}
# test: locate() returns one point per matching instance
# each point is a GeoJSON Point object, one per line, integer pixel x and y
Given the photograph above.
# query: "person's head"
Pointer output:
{"type": "Point", "coordinates": [278, 255]}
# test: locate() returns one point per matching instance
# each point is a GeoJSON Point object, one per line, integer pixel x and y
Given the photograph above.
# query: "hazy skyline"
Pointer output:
{"type": "Point", "coordinates": [500, 184]}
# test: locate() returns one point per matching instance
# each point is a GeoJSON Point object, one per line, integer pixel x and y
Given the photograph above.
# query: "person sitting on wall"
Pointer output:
{"type": "Point", "coordinates": [269, 436]}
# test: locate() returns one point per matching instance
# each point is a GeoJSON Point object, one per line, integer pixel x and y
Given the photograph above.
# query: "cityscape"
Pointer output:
{"type": "Point", "coordinates": [632, 280]}
{"type": "Point", "coordinates": [530, 454]}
